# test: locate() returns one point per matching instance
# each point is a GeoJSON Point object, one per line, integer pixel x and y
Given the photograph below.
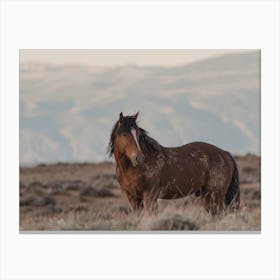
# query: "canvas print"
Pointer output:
{"type": "Point", "coordinates": [139, 140]}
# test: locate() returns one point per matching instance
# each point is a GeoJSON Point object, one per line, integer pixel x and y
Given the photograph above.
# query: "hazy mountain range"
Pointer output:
{"type": "Point", "coordinates": [67, 112]}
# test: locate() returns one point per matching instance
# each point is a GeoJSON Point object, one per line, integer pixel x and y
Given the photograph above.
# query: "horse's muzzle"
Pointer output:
{"type": "Point", "coordinates": [137, 160]}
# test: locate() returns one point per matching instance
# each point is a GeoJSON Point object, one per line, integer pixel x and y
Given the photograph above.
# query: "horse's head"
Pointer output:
{"type": "Point", "coordinates": [126, 139]}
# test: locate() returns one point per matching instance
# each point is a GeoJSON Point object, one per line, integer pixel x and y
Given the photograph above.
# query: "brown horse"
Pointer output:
{"type": "Point", "coordinates": [148, 171]}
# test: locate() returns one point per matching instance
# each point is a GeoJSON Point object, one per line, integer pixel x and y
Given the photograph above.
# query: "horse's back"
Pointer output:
{"type": "Point", "coordinates": [201, 151]}
{"type": "Point", "coordinates": [203, 146]}
{"type": "Point", "coordinates": [211, 153]}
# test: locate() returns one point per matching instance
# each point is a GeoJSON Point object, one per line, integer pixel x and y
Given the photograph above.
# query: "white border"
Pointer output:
{"type": "Point", "coordinates": [156, 24]}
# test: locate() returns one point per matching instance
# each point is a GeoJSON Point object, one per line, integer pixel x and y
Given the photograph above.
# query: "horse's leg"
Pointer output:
{"type": "Point", "coordinates": [206, 198]}
{"type": "Point", "coordinates": [135, 202]}
{"type": "Point", "coordinates": [150, 202]}
{"type": "Point", "coordinates": [217, 202]}
{"type": "Point", "coordinates": [213, 202]}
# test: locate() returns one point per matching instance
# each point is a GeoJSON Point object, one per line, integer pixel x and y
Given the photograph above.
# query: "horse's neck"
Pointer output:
{"type": "Point", "coordinates": [150, 147]}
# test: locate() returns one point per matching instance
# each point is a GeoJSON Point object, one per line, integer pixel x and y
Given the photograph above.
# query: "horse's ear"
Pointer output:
{"type": "Point", "coordinates": [136, 116]}
{"type": "Point", "coordinates": [121, 118]}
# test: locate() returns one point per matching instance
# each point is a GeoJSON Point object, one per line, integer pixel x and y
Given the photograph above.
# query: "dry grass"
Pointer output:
{"type": "Point", "coordinates": [190, 217]}
{"type": "Point", "coordinates": [91, 199]}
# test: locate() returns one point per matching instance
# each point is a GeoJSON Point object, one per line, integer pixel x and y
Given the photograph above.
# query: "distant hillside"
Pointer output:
{"type": "Point", "coordinates": [67, 112]}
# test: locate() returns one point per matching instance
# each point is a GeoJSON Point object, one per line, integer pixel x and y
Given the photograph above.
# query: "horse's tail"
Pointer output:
{"type": "Point", "coordinates": [233, 192]}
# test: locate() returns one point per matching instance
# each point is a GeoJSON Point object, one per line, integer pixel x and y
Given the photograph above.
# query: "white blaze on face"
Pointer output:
{"type": "Point", "coordinates": [133, 132]}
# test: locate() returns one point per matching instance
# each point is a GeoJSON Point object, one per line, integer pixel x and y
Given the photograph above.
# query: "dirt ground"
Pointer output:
{"type": "Point", "coordinates": [86, 196]}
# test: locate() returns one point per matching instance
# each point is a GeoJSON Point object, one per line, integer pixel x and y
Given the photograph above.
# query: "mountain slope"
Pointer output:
{"type": "Point", "coordinates": [67, 112]}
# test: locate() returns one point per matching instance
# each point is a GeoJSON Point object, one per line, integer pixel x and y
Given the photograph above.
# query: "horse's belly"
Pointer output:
{"type": "Point", "coordinates": [178, 181]}
{"type": "Point", "coordinates": [171, 194]}
{"type": "Point", "coordinates": [175, 188]}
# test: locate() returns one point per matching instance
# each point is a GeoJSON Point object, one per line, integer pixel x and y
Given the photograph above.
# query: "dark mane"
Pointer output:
{"type": "Point", "coordinates": [146, 143]}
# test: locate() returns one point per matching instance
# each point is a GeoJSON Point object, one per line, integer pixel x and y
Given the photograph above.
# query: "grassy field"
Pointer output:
{"type": "Point", "coordinates": [87, 197]}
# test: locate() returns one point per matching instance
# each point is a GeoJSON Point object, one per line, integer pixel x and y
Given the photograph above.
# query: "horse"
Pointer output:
{"type": "Point", "coordinates": [147, 171]}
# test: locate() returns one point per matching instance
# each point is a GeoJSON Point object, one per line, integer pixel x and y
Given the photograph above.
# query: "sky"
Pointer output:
{"type": "Point", "coordinates": [111, 58]}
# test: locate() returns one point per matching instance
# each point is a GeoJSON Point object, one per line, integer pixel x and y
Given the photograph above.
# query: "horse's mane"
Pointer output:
{"type": "Point", "coordinates": [146, 143]}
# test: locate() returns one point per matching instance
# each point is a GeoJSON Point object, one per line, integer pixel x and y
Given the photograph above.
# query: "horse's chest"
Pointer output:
{"type": "Point", "coordinates": [131, 181]}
